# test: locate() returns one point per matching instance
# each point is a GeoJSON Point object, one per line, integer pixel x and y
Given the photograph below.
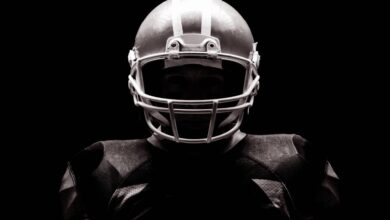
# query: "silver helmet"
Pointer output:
{"type": "Point", "coordinates": [203, 32]}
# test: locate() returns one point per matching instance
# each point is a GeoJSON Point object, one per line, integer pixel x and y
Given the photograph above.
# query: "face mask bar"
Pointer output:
{"type": "Point", "coordinates": [213, 111]}
{"type": "Point", "coordinates": [178, 139]}
{"type": "Point", "coordinates": [145, 101]}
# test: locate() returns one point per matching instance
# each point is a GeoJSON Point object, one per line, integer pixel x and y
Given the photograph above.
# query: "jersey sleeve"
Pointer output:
{"type": "Point", "coordinates": [325, 201]}
{"type": "Point", "coordinates": [72, 208]}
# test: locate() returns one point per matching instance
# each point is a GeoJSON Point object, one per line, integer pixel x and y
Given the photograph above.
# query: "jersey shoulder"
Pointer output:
{"type": "Point", "coordinates": [94, 173]}
{"type": "Point", "coordinates": [282, 153]}
{"type": "Point", "coordinates": [121, 156]}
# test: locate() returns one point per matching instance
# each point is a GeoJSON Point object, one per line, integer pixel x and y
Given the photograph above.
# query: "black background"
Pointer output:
{"type": "Point", "coordinates": [74, 63]}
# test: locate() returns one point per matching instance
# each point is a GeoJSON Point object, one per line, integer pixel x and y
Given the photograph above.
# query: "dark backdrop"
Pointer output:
{"type": "Point", "coordinates": [77, 88]}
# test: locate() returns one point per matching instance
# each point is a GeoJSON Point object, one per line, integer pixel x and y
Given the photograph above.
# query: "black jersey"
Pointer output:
{"type": "Point", "coordinates": [262, 177]}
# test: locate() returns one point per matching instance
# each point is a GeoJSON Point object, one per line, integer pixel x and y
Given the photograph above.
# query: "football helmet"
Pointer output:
{"type": "Point", "coordinates": [207, 33]}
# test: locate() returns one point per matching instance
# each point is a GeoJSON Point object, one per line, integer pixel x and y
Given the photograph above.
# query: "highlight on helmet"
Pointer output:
{"type": "Point", "coordinates": [194, 70]}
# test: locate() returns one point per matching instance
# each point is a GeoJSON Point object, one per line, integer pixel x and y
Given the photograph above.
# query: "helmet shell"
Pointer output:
{"type": "Point", "coordinates": [226, 25]}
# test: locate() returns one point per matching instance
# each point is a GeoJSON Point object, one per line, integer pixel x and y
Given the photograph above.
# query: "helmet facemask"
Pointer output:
{"type": "Point", "coordinates": [193, 93]}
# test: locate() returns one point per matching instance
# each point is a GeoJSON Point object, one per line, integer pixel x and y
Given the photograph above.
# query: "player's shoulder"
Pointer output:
{"type": "Point", "coordinates": [121, 155]}
{"type": "Point", "coordinates": [96, 171]}
{"type": "Point", "coordinates": [272, 144]}
{"type": "Point", "coordinates": [275, 149]}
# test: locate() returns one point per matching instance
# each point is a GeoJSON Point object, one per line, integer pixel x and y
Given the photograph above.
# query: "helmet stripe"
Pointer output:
{"type": "Point", "coordinates": [206, 18]}
{"type": "Point", "coordinates": [176, 18]}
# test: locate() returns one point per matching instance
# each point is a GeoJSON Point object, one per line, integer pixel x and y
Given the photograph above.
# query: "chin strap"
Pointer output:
{"type": "Point", "coordinates": [159, 117]}
{"type": "Point", "coordinates": [233, 117]}
{"type": "Point", "coordinates": [236, 138]}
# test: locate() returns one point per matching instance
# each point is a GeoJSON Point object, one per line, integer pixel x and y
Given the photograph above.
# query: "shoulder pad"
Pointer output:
{"type": "Point", "coordinates": [101, 167]}
{"type": "Point", "coordinates": [288, 155]}
{"type": "Point", "coordinates": [270, 150]}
